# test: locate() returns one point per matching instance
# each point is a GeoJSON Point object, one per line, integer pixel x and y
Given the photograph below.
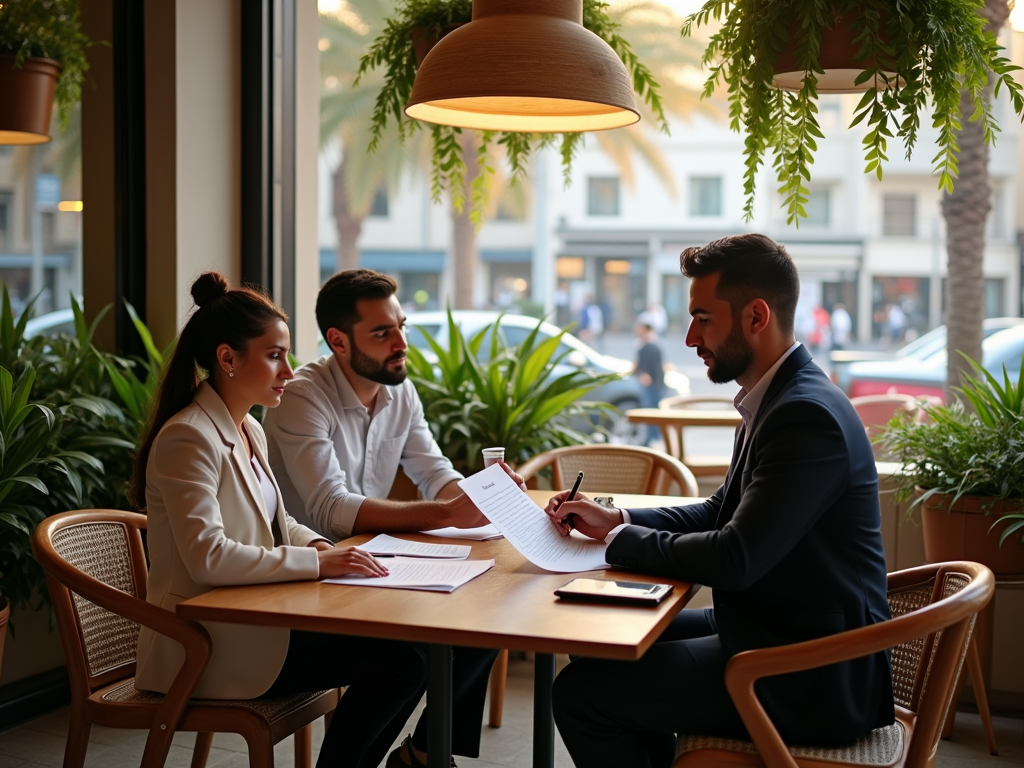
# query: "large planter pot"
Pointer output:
{"type": "Point", "coordinates": [5, 615]}
{"type": "Point", "coordinates": [26, 100]}
{"type": "Point", "coordinates": [961, 532]}
{"type": "Point", "coordinates": [837, 56]}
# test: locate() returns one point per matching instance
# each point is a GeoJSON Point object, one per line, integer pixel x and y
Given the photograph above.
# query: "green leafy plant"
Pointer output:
{"type": "Point", "coordinates": [934, 50]}
{"type": "Point", "coordinates": [393, 50]}
{"type": "Point", "coordinates": [48, 29]}
{"type": "Point", "coordinates": [70, 417]}
{"type": "Point", "coordinates": [510, 397]}
{"type": "Point", "coordinates": [965, 452]}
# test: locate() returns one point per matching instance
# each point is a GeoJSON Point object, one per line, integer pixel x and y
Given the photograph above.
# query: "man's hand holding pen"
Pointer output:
{"type": "Point", "coordinates": [585, 515]}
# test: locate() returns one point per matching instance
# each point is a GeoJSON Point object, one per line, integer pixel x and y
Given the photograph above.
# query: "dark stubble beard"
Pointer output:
{"type": "Point", "coordinates": [732, 359]}
{"type": "Point", "coordinates": [370, 369]}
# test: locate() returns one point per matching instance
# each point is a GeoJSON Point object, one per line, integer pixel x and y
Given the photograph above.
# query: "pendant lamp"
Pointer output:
{"type": "Point", "coordinates": [524, 65]}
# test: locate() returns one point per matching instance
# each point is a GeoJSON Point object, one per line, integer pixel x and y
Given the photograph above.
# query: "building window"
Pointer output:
{"type": "Point", "coordinates": [706, 196]}
{"type": "Point", "coordinates": [997, 216]}
{"type": "Point", "coordinates": [899, 215]}
{"type": "Point", "coordinates": [603, 197]}
{"type": "Point", "coordinates": [5, 219]}
{"type": "Point", "coordinates": [819, 208]}
{"type": "Point", "coordinates": [509, 211]}
{"type": "Point", "coordinates": [379, 206]}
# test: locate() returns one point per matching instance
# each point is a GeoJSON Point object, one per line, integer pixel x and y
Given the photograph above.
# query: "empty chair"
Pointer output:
{"type": "Point", "coordinates": [933, 609]}
{"type": "Point", "coordinates": [702, 465]}
{"type": "Point", "coordinates": [96, 571]}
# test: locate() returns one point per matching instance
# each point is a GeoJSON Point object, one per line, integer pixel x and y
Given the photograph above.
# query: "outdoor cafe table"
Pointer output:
{"type": "Point", "coordinates": [672, 422]}
{"type": "Point", "coordinates": [510, 606]}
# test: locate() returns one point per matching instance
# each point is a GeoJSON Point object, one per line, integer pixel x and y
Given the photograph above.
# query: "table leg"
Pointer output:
{"type": "Point", "coordinates": [439, 701]}
{"type": "Point", "coordinates": [543, 718]}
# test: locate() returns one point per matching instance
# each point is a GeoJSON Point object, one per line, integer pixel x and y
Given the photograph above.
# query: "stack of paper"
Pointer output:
{"type": "Point", "coordinates": [481, 533]}
{"type": "Point", "coordinates": [528, 527]}
{"type": "Point", "coordinates": [389, 545]}
{"type": "Point", "coordinates": [417, 573]}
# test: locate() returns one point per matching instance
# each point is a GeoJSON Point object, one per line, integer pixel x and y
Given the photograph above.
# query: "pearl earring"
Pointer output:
{"type": "Point", "coordinates": [231, 373]}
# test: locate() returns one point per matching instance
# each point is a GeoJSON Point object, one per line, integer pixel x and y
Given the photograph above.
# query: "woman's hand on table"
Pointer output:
{"type": "Point", "coordinates": [587, 516]}
{"type": "Point", "coordinates": [343, 561]}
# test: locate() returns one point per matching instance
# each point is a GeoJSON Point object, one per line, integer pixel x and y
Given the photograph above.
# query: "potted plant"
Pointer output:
{"type": "Point", "coordinates": [910, 58]}
{"type": "Point", "coordinates": [964, 468]}
{"type": "Point", "coordinates": [481, 392]}
{"type": "Point", "coordinates": [417, 24]}
{"type": "Point", "coordinates": [42, 60]}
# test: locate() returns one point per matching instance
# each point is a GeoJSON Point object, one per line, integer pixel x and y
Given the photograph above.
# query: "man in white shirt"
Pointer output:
{"type": "Point", "coordinates": [345, 424]}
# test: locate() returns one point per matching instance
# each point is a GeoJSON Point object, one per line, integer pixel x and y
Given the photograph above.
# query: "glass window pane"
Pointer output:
{"type": "Point", "coordinates": [899, 214]}
{"type": "Point", "coordinates": [706, 196]}
{"type": "Point", "coordinates": [603, 197]}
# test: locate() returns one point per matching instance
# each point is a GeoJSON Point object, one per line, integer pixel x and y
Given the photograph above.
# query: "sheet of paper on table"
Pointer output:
{"type": "Point", "coordinates": [480, 533]}
{"type": "Point", "coordinates": [528, 527]}
{"type": "Point", "coordinates": [418, 573]}
{"type": "Point", "coordinates": [383, 544]}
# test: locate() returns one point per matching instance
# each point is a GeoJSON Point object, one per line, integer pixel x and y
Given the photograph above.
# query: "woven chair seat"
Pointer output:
{"type": "Point", "coordinates": [883, 746]}
{"type": "Point", "coordinates": [270, 709]}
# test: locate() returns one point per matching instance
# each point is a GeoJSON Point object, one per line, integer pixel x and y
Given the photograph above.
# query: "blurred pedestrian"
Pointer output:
{"type": "Point", "coordinates": [649, 368]}
{"type": "Point", "coordinates": [842, 326]}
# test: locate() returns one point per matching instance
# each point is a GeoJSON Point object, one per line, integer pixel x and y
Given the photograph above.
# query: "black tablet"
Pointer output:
{"type": "Point", "coordinates": [608, 591]}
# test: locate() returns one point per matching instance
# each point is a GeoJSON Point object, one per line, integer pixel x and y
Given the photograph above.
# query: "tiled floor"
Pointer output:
{"type": "Point", "coordinates": [41, 742]}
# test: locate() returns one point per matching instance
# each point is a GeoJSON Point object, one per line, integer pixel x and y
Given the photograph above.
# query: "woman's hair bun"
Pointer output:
{"type": "Point", "coordinates": [209, 286]}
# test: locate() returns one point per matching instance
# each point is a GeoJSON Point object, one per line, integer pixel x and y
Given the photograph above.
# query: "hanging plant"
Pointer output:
{"type": "Point", "coordinates": [416, 21]}
{"type": "Point", "coordinates": [913, 56]}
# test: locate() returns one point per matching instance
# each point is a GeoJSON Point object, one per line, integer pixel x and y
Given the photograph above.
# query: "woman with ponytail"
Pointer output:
{"type": "Point", "coordinates": [216, 519]}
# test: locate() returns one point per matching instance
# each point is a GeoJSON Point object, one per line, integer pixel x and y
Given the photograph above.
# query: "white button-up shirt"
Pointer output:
{"type": "Point", "coordinates": [328, 452]}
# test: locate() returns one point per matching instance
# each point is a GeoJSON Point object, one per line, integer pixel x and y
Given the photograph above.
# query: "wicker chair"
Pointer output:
{"type": "Point", "coordinates": [96, 571]}
{"type": "Point", "coordinates": [700, 465]}
{"type": "Point", "coordinates": [933, 609]}
{"type": "Point", "coordinates": [615, 469]}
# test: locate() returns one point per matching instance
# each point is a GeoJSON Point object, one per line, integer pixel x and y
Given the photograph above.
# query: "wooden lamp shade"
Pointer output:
{"type": "Point", "coordinates": [524, 65]}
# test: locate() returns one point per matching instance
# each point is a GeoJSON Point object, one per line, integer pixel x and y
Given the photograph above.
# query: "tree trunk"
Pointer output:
{"type": "Point", "coordinates": [465, 254]}
{"type": "Point", "coordinates": [965, 211]}
{"type": "Point", "coordinates": [348, 224]}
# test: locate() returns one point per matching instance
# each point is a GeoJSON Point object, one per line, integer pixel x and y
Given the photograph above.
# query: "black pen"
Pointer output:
{"type": "Point", "coordinates": [567, 520]}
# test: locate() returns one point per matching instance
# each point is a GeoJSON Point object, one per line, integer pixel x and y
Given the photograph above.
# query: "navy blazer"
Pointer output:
{"type": "Point", "coordinates": [792, 547]}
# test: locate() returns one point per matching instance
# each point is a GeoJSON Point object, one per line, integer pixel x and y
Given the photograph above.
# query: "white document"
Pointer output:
{"type": "Point", "coordinates": [417, 573]}
{"type": "Point", "coordinates": [480, 533]}
{"type": "Point", "coordinates": [383, 544]}
{"type": "Point", "coordinates": [528, 527]}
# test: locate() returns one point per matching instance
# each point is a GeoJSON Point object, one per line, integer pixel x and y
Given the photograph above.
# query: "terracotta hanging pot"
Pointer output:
{"type": "Point", "coordinates": [961, 532]}
{"type": "Point", "coordinates": [5, 615]}
{"type": "Point", "coordinates": [425, 38]}
{"type": "Point", "coordinates": [26, 100]}
{"type": "Point", "coordinates": [837, 56]}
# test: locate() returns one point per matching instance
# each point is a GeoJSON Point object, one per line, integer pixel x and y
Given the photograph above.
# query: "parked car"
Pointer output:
{"type": "Point", "coordinates": [623, 394]}
{"type": "Point", "coordinates": [927, 376]}
{"type": "Point", "coordinates": [51, 324]}
{"type": "Point", "coordinates": [921, 348]}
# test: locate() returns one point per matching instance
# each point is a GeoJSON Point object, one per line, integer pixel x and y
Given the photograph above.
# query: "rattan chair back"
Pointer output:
{"type": "Point", "coordinates": [614, 469]}
{"type": "Point", "coordinates": [95, 566]}
{"type": "Point", "coordinates": [933, 611]}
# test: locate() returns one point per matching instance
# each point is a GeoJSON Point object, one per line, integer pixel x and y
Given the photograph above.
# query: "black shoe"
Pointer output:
{"type": "Point", "coordinates": [395, 758]}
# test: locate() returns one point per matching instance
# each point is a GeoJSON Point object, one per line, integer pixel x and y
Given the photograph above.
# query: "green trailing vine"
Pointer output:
{"type": "Point", "coordinates": [935, 49]}
{"type": "Point", "coordinates": [393, 51]}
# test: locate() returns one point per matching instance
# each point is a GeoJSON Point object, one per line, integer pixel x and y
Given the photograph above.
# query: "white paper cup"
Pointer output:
{"type": "Point", "coordinates": [492, 456]}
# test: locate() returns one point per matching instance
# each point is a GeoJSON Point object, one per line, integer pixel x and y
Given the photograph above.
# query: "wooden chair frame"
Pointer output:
{"type": "Point", "coordinates": [940, 666]}
{"type": "Point", "coordinates": [701, 466]}
{"type": "Point", "coordinates": [663, 471]}
{"type": "Point", "coordinates": [175, 710]}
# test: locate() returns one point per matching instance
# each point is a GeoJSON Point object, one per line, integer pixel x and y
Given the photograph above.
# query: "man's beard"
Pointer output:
{"type": "Point", "coordinates": [732, 359]}
{"type": "Point", "coordinates": [370, 369]}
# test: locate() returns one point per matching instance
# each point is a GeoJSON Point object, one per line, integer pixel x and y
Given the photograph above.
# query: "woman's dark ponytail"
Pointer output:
{"type": "Point", "coordinates": [223, 316]}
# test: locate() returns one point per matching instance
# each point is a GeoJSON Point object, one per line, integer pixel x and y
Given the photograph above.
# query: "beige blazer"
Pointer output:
{"type": "Point", "coordinates": [208, 528]}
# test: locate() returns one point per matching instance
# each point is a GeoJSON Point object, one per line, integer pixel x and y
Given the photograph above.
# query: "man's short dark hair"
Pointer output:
{"type": "Point", "coordinates": [750, 267]}
{"type": "Point", "coordinates": [336, 302]}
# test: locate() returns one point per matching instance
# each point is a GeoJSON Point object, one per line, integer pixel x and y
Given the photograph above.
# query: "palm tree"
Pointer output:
{"type": "Point", "coordinates": [966, 210]}
{"type": "Point", "coordinates": [345, 111]}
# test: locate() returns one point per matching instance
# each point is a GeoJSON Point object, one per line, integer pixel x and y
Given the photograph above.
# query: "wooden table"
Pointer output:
{"type": "Point", "coordinates": [672, 422]}
{"type": "Point", "coordinates": [510, 606]}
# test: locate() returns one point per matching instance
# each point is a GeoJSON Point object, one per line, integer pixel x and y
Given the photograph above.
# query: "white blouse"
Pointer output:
{"type": "Point", "coordinates": [269, 492]}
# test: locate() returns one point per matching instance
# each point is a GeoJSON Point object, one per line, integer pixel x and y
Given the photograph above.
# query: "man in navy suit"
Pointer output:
{"type": "Point", "coordinates": [791, 543]}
